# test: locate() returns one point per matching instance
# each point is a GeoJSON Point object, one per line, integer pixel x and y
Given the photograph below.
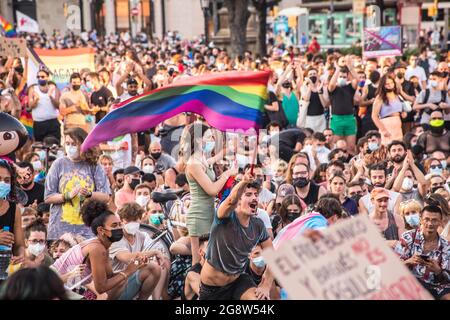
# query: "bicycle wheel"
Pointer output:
{"type": "Point", "coordinates": [163, 243]}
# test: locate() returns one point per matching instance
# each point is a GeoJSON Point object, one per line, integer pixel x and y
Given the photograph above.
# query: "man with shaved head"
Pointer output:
{"type": "Point", "coordinates": [163, 161]}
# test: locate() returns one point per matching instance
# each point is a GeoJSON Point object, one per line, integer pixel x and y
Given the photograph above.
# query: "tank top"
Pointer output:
{"type": "Point", "coordinates": [8, 219]}
{"type": "Point", "coordinates": [391, 232]}
{"type": "Point", "coordinates": [201, 202]}
{"type": "Point", "coordinates": [391, 108]}
{"type": "Point", "coordinates": [44, 110]}
{"type": "Point", "coordinates": [313, 194]}
{"type": "Point", "coordinates": [290, 108]}
{"type": "Point", "coordinates": [315, 107]}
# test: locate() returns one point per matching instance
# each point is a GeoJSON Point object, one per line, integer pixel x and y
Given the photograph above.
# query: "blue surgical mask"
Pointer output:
{"type": "Point", "coordinates": [413, 220]}
{"type": "Point", "coordinates": [342, 82]}
{"type": "Point", "coordinates": [209, 146]}
{"type": "Point", "coordinates": [436, 171]}
{"type": "Point", "coordinates": [42, 154]}
{"type": "Point", "coordinates": [5, 189]}
{"type": "Point", "coordinates": [259, 262]}
{"type": "Point", "coordinates": [373, 146]}
{"type": "Point", "coordinates": [320, 148]}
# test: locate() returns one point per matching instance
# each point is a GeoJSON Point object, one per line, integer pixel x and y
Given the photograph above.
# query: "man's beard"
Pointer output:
{"type": "Point", "coordinates": [399, 159]}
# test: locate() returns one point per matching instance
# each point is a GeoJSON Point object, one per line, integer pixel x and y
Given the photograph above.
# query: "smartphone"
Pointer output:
{"type": "Point", "coordinates": [425, 257]}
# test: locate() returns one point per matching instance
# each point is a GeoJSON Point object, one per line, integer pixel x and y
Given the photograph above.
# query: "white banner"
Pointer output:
{"type": "Point", "coordinates": [351, 262]}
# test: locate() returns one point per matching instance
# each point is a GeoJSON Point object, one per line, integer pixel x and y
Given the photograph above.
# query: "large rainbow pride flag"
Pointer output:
{"type": "Point", "coordinates": [229, 100]}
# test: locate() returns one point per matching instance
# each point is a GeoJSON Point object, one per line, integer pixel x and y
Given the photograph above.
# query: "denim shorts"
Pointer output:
{"type": "Point", "coordinates": [132, 288]}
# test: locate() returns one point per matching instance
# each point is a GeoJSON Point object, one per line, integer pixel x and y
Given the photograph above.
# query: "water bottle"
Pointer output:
{"type": "Point", "coordinates": [5, 258]}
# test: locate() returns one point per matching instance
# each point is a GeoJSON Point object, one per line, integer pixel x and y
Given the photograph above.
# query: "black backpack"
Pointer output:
{"type": "Point", "coordinates": [427, 96]}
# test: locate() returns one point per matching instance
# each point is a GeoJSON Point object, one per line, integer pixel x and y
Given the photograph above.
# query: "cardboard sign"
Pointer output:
{"type": "Point", "coordinates": [382, 41]}
{"type": "Point", "coordinates": [15, 47]}
{"type": "Point", "coordinates": [350, 262]}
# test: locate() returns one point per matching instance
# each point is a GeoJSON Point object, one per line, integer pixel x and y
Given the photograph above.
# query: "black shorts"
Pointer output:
{"type": "Point", "coordinates": [42, 129]}
{"type": "Point", "coordinates": [232, 291]}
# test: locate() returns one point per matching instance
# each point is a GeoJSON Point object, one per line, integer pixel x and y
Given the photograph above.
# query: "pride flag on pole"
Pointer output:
{"type": "Point", "coordinates": [229, 100]}
{"type": "Point", "coordinates": [7, 28]}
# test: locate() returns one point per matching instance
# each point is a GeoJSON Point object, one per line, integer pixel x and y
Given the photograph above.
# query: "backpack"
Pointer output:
{"type": "Point", "coordinates": [427, 96]}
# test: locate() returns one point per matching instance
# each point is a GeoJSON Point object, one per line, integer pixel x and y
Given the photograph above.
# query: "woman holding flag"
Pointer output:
{"type": "Point", "coordinates": [202, 182]}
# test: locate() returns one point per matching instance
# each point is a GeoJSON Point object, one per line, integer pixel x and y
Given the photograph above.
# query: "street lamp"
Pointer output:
{"type": "Point", "coordinates": [205, 7]}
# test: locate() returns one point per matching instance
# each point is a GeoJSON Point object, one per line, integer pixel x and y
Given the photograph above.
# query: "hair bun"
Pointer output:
{"type": "Point", "coordinates": [91, 209]}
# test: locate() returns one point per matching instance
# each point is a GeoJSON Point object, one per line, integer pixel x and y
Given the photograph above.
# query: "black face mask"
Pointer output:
{"type": "Point", "coordinates": [155, 155]}
{"type": "Point", "coordinates": [116, 235]}
{"type": "Point", "coordinates": [444, 74]}
{"type": "Point", "coordinates": [259, 181]}
{"type": "Point", "coordinates": [292, 216]}
{"type": "Point", "coordinates": [76, 87]}
{"type": "Point", "coordinates": [19, 69]}
{"type": "Point", "coordinates": [301, 182]}
{"type": "Point", "coordinates": [356, 198]}
{"type": "Point", "coordinates": [134, 183]}
{"type": "Point", "coordinates": [313, 79]}
{"type": "Point", "coordinates": [389, 90]}
{"type": "Point", "coordinates": [379, 185]}
{"type": "Point", "coordinates": [400, 75]}
{"type": "Point", "coordinates": [286, 85]}
{"type": "Point", "coordinates": [433, 190]}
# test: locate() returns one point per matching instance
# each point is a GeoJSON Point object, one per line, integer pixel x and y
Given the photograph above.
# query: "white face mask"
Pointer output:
{"type": "Point", "coordinates": [407, 184]}
{"type": "Point", "coordinates": [142, 201]}
{"type": "Point", "coordinates": [148, 169]}
{"type": "Point", "coordinates": [37, 165]}
{"type": "Point", "coordinates": [72, 152]}
{"type": "Point", "coordinates": [433, 83]}
{"type": "Point", "coordinates": [132, 228]}
{"type": "Point", "coordinates": [36, 249]}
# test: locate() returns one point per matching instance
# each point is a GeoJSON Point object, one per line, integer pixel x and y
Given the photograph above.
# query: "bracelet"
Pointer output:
{"type": "Point", "coordinates": [123, 274]}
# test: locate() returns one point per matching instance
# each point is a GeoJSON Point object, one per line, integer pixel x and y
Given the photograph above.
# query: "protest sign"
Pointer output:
{"type": "Point", "coordinates": [382, 41]}
{"type": "Point", "coordinates": [62, 63]}
{"type": "Point", "coordinates": [351, 262]}
{"type": "Point", "coordinates": [4, 51]}
{"type": "Point", "coordinates": [14, 47]}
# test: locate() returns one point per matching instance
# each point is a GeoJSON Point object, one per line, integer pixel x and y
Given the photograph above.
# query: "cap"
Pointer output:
{"type": "Point", "coordinates": [131, 170]}
{"type": "Point", "coordinates": [283, 191]}
{"type": "Point", "coordinates": [379, 193]}
{"type": "Point", "coordinates": [400, 65]}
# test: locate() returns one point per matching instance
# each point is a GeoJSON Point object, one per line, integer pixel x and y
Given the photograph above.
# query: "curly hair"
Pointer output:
{"type": "Point", "coordinates": [12, 171]}
{"type": "Point", "coordinates": [94, 214]}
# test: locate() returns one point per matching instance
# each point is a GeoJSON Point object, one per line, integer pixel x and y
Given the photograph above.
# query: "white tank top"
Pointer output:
{"type": "Point", "coordinates": [44, 109]}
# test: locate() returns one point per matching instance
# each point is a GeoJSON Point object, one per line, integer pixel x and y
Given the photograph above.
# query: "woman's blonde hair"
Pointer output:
{"type": "Point", "coordinates": [409, 205]}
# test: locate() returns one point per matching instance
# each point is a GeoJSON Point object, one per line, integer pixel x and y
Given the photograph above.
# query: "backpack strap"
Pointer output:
{"type": "Point", "coordinates": [443, 96]}
{"type": "Point", "coordinates": [427, 96]}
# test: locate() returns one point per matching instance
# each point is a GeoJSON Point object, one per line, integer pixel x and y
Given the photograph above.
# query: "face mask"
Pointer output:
{"type": "Point", "coordinates": [259, 262]}
{"type": "Point", "coordinates": [444, 164]}
{"type": "Point", "coordinates": [134, 183]}
{"type": "Point", "coordinates": [292, 216]}
{"type": "Point", "coordinates": [413, 220]}
{"type": "Point", "coordinates": [407, 184]}
{"type": "Point", "coordinates": [389, 90]}
{"type": "Point", "coordinates": [209, 146]}
{"type": "Point", "coordinates": [154, 219]}
{"type": "Point", "coordinates": [142, 201]}
{"type": "Point", "coordinates": [116, 235]}
{"type": "Point", "coordinates": [19, 69]}
{"type": "Point", "coordinates": [437, 123]}
{"type": "Point", "coordinates": [342, 82]}
{"type": "Point", "coordinates": [36, 249]}
{"type": "Point", "coordinates": [132, 228]}
{"type": "Point", "coordinates": [42, 82]}
{"type": "Point", "coordinates": [155, 155]}
{"type": "Point", "coordinates": [278, 179]}
{"type": "Point", "coordinates": [148, 169]}
{"type": "Point", "coordinates": [42, 154]}
{"type": "Point", "coordinates": [400, 75]}
{"type": "Point", "coordinates": [286, 85]}
{"type": "Point", "coordinates": [313, 79]}
{"type": "Point", "coordinates": [320, 148]}
{"type": "Point", "coordinates": [5, 189]}
{"type": "Point", "coordinates": [72, 152]}
{"type": "Point", "coordinates": [356, 197]}
{"type": "Point", "coordinates": [132, 93]}
{"type": "Point", "coordinates": [301, 182]}
{"type": "Point", "coordinates": [436, 171]}
{"type": "Point", "coordinates": [76, 87]}
{"type": "Point", "coordinates": [373, 146]}
{"type": "Point", "coordinates": [444, 74]}
{"type": "Point", "coordinates": [433, 83]}
{"type": "Point", "coordinates": [37, 165]}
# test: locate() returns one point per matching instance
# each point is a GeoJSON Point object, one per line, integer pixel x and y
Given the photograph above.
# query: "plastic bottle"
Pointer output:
{"type": "Point", "coordinates": [5, 258]}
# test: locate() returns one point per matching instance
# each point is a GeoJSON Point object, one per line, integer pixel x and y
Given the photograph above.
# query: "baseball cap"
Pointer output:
{"type": "Point", "coordinates": [283, 191]}
{"type": "Point", "coordinates": [379, 193]}
{"type": "Point", "coordinates": [131, 170]}
{"type": "Point", "coordinates": [131, 81]}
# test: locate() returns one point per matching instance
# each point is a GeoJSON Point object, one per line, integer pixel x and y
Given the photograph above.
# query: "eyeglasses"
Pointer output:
{"type": "Point", "coordinates": [359, 193]}
{"type": "Point", "coordinates": [436, 166]}
{"type": "Point", "coordinates": [35, 241]}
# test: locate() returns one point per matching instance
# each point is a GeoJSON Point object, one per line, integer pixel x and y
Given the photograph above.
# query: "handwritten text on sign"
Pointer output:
{"type": "Point", "coordinates": [351, 262]}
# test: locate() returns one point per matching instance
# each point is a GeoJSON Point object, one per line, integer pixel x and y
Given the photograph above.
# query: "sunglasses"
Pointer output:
{"type": "Point", "coordinates": [436, 166]}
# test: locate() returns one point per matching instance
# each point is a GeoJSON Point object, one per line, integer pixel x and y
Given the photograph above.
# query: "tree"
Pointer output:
{"type": "Point", "coordinates": [238, 15]}
{"type": "Point", "coordinates": [261, 7]}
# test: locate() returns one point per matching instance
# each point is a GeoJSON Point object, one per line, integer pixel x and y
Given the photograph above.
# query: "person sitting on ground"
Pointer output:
{"type": "Point", "coordinates": [192, 282]}
{"type": "Point", "coordinates": [36, 246]}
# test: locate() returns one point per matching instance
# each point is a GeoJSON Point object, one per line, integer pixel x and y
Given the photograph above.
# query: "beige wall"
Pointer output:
{"type": "Point", "coordinates": [184, 16]}
{"type": "Point", "coordinates": [6, 10]}
{"type": "Point", "coordinates": [50, 15]}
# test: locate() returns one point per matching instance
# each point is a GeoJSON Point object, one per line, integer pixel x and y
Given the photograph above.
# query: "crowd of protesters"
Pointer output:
{"type": "Point", "coordinates": [144, 216]}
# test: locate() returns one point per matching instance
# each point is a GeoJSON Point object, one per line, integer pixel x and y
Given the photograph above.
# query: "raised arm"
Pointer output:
{"type": "Point", "coordinates": [230, 203]}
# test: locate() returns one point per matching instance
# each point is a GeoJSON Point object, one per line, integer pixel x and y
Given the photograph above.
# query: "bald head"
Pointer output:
{"type": "Point", "coordinates": [155, 147]}
{"type": "Point", "coordinates": [443, 67]}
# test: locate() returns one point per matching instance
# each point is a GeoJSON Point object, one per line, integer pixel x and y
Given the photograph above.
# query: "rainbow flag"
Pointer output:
{"type": "Point", "coordinates": [229, 100]}
{"type": "Point", "coordinates": [27, 120]}
{"type": "Point", "coordinates": [7, 28]}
